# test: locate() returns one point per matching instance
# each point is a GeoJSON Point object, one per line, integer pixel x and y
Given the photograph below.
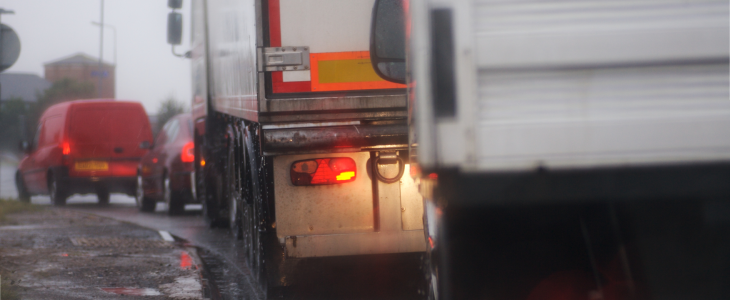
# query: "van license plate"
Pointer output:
{"type": "Point", "coordinates": [92, 166]}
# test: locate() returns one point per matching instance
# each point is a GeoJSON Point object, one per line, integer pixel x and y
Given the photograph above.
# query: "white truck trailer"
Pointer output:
{"type": "Point", "coordinates": [574, 147]}
{"type": "Point", "coordinates": [299, 146]}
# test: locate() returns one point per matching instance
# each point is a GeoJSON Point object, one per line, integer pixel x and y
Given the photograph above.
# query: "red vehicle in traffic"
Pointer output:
{"type": "Point", "coordinates": [85, 146]}
{"type": "Point", "coordinates": [165, 174]}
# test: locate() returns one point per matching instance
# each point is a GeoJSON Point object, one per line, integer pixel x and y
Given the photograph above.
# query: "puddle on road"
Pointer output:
{"type": "Point", "coordinates": [183, 288]}
{"type": "Point", "coordinates": [133, 291]}
{"type": "Point", "coordinates": [27, 227]}
{"type": "Point", "coordinates": [186, 261]}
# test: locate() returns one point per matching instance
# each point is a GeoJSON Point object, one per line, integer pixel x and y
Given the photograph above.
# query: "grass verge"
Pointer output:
{"type": "Point", "coordinates": [9, 206]}
{"type": "Point", "coordinates": [7, 292]}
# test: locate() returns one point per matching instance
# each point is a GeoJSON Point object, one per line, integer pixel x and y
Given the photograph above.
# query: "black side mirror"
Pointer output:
{"type": "Point", "coordinates": [174, 4]}
{"type": "Point", "coordinates": [174, 28]}
{"type": "Point", "coordinates": [388, 40]}
{"type": "Point", "coordinates": [145, 145]}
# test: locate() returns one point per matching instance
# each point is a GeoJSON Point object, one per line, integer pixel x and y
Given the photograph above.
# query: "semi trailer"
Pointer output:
{"type": "Point", "coordinates": [300, 147]}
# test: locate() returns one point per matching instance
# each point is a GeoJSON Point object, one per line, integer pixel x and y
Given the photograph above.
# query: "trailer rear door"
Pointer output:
{"type": "Point", "coordinates": [335, 35]}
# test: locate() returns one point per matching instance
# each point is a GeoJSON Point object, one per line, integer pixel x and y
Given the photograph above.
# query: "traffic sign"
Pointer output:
{"type": "Point", "coordinates": [9, 47]}
{"type": "Point", "coordinates": [102, 74]}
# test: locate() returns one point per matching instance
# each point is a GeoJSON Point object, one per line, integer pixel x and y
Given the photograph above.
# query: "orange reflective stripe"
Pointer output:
{"type": "Point", "coordinates": [340, 71]}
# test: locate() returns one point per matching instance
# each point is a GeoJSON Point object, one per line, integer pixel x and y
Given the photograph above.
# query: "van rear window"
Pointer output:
{"type": "Point", "coordinates": [107, 124]}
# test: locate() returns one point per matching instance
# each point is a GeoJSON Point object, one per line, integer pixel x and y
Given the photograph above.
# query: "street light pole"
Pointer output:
{"type": "Point", "coordinates": [101, 50]}
{"type": "Point", "coordinates": [114, 30]}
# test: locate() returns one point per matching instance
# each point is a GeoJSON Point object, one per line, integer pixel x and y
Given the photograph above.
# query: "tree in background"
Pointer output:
{"type": "Point", "coordinates": [169, 108]}
{"type": "Point", "coordinates": [11, 134]}
{"type": "Point", "coordinates": [13, 112]}
{"type": "Point", "coordinates": [66, 89]}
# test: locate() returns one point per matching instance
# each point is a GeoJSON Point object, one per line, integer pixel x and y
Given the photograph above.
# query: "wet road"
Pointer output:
{"type": "Point", "coordinates": [218, 249]}
{"type": "Point", "coordinates": [370, 277]}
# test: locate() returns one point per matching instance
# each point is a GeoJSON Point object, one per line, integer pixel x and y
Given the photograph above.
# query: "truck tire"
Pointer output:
{"type": "Point", "coordinates": [103, 196]}
{"type": "Point", "coordinates": [57, 193]}
{"type": "Point", "coordinates": [211, 207]}
{"type": "Point", "coordinates": [174, 204]}
{"type": "Point", "coordinates": [23, 194]}
{"type": "Point", "coordinates": [144, 204]}
{"type": "Point", "coordinates": [234, 192]}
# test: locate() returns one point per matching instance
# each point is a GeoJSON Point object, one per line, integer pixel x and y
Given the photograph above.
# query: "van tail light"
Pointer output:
{"type": "Point", "coordinates": [323, 171]}
{"type": "Point", "coordinates": [188, 152]}
{"type": "Point", "coordinates": [65, 148]}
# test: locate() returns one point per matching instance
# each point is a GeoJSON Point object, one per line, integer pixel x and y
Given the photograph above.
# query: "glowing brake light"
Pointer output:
{"type": "Point", "coordinates": [320, 171]}
{"type": "Point", "coordinates": [65, 148]}
{"type": "Point", "coordinates": [188, 152]}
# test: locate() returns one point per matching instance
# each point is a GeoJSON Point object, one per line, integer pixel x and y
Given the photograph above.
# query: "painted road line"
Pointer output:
{"type": "Point", "coordinates": [166, 236]}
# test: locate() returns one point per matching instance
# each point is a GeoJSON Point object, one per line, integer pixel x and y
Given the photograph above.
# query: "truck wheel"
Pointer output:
{"type": "Point", "coordinates": [211, 209]}
{"type": "Point", "coordinates": [103, 196]}
{"type": "Point", "coordinates": [234, 194]}
{"type": "Point", "coordinates": [174, 205]}
{"type": "Point", "coordinates": [58, 195]}
{"type": "Point", "coordinates": [258, 263]}
{"type": "Point", "coordinates": [235, 218]}
{"type": "Point", "coordinates": [144, 204]}
{"type": "Point", "coordinates": [23, 194]}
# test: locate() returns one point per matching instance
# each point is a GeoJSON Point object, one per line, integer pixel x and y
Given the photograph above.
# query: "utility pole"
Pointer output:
{"type": "Point", "coordinates": [114, 30]}
{"type": "Point", "coordinates": [101, 50]}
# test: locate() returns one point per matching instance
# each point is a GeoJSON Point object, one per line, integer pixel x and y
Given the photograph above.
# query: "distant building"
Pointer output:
{"type": "Point", "coordinates": [22, 85]}
{"type": "Point", "coordinates": [84, 68]}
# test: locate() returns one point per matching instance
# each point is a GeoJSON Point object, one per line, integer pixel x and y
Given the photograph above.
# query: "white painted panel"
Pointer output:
{"type": "Point", "coordinates": [325, 26]}
{"type": "Point", "coordinates": [232, 38]}
{"type": "Point", "coordinates": [552, 33]}
{"type": "Point", "coordinates": [603, 116]}
{"type": "Point", "coordinates": [411, 202]}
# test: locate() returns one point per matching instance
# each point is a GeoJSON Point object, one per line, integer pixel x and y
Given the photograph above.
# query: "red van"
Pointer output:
{"type": "Point", "coordinates": [85, 146]}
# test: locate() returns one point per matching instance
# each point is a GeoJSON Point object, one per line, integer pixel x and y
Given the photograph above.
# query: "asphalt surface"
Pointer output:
{"type": "Point", "coordinates": [60, 254]}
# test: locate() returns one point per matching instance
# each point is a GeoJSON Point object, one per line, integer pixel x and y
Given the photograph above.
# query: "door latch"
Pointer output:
{"type": "Point", "coordinates": [285, 59]}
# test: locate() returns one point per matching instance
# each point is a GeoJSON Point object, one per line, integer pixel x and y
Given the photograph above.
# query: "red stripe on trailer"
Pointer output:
{"type": "Point", "coordinates": [277, 78]}
{"type": "Point", "coordinates": [274, 24]}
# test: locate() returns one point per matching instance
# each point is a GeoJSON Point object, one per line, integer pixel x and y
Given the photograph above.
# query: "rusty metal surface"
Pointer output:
{"type": "Point", "coordinates": [337, 103]}
{"type": "Point", "coordinates": [324, 209]}
{"type": "Point", "coordinates": [334, 115]}
{"type": "Point", "coordinates": [326, 138]}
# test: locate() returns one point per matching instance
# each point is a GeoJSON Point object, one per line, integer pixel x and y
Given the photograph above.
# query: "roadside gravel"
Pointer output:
{"type": "Point", "coordinates": [58, 254]}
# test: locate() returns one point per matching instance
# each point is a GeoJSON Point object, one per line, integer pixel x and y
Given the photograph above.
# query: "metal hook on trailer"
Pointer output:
{"type": "Point", "coordinates": [388, 158]}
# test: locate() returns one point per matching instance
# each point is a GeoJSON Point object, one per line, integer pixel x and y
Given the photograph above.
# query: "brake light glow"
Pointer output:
{"type": "Point", "coordinates": [321, 171]}
{"type": "Point", "coordinates": [65, 148]}
{"type": "Point", "coordinates": [188, 153]}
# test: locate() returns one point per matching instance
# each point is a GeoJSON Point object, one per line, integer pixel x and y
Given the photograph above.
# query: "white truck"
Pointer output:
{"type": "Point", "coordinates": [299, 146]}
{"type": "Point", "coordinates": [567, 149]}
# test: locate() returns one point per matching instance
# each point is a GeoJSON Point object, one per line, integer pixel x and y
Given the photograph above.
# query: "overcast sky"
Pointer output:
{"type": "Point", "coordinates": [146, 69]}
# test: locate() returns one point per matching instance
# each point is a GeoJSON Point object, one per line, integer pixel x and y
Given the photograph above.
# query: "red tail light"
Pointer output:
{"type": "Point", "coordinates": [188, 152]}
{"type": "Point", "coordinates": [65, 148]}
{"type": "Point", "coordinates": [323, 171]}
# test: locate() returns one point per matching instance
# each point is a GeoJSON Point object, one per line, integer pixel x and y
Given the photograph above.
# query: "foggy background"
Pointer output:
{"type": "Point", "coordinates": [146, 69]}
